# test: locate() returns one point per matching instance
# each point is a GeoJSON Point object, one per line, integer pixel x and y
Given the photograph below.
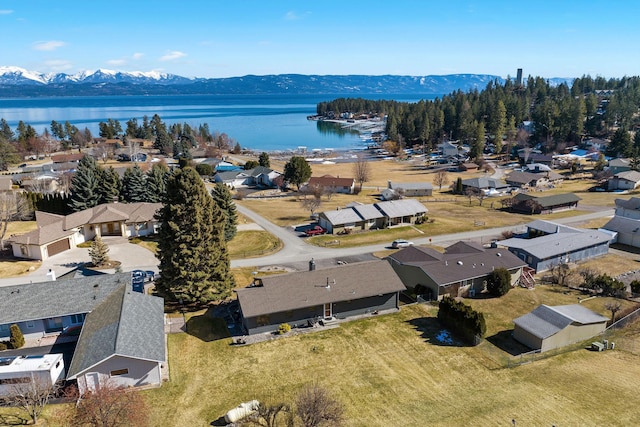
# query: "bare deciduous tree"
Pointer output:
{"type": "Point", "coordinates": [471, 192]}
{"type": "Point", "coordinates": [316, 407]}
{"type": "Point", "coordinates": [441, 178]}
{"type": "Point", "coordinates": [13, 207]}
{"type": "Point", "coordinates": [361, 170]}
{"type": "Point", "coordinates": [613, 307]}
{"type": "Point", "coordinates": [268, 415]}
{"type": "Point", "coordinates": [32, 396]}
{"type": "Point", "coordinates": [110, 406]}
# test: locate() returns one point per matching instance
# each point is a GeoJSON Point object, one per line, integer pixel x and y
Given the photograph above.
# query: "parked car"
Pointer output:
{"type": "Point", "coordinates": [315, 230]}
{"type": "Point", "coordinates": [146, 276]}
{"type": "Point", "coordinates": [401, 243]}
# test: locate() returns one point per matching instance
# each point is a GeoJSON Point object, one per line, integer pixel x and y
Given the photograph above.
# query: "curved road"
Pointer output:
{"type": "Point", "coordinates": [296, 250]}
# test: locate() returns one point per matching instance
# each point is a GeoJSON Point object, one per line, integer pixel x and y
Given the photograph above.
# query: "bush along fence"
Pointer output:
{"type": "Point", "coordinates": [462, 320]}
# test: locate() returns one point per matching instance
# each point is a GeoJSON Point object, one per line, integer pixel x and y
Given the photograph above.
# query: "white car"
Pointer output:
{"type": "Point", "coordinates": [401, 243]}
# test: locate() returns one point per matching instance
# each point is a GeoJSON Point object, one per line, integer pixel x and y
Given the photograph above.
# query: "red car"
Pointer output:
{"type": "Point", "coordinates": [314, 231]}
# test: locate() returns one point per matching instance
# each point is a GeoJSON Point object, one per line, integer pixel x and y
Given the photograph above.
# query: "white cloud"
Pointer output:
{"type": "Point", "coordinates": [294, 16]}
{"type": "Point", "coordinates": [48, 45]}
{"type": "Point", "coordinates": [6, 11]}
{"type": "Point", "coordinates": [173, 55]}
{"type": "Point", "coordinates": [137, 55]}
{"type": "Point", "coordinates": [58, 65]}
{"type": "Point", "coordinates": [117, 62]}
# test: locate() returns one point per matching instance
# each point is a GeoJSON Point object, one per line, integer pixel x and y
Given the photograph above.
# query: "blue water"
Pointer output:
{"type": "Point", "coordinates": [258, 122]}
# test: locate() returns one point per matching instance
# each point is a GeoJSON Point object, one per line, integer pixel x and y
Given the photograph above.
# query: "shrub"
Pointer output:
{"type": "Point", "coordinates": [635, 286]}
{"type": "Point", "coordinates": [3, 345]}
{"type": "Point", "coordinates": [499, 282]}
{"type": "Point", "coordinates": [462, 319]}
{"type": "Point", "coordinates": [17, 339]}
{"type": "Point", "coordinates": [284, 328]}
{"type": "Point", "coordinates": [204, 169]}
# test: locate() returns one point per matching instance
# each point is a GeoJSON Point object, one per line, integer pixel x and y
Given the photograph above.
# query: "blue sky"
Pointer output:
{"type": "Point", "coordinates": [213, 38]}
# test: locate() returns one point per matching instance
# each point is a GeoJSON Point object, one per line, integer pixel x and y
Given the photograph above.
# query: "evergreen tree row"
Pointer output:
{"type": "Point", "coordinates": [561, 114]}
{"type": "Point", "coordinates": [462, 319]}
{"type": "Point", "coordinates": [93, 185]}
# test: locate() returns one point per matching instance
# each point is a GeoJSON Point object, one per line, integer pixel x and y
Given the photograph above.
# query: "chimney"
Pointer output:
{"type": "Point", "coordinates": [51, 275]}
{"type": "Point", "coordinates": [312, 265]}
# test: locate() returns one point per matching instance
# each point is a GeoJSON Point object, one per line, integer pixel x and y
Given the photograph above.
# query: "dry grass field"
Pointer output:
{"type": "Point", "coordinates": [392, 370]}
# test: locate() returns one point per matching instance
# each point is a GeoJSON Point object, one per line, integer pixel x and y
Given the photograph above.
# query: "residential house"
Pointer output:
{"type": "Point", "coordinates": [398, 190]}
{"type": "Point", "coordinates": [259, 176]}
{"type": "Point", "coordinates": [468, 167]}
{"type": "Point", "coordinates": [533, 179]}
{"type": "Point", "coordinates": [550, 327]}
{"type": "Point", "coordinates": [629, 180]}
{"type": "Point", "coordinates": [626, 222]}
{"type": "Point", "coordinates": [122, 332]}
{"type": "Point", "coordinates": [530, 204]}
{"type": "Point", "coordinates": [332, 184]}
{"type": "Point", "coordinates": [485, 184]}
{"type": "Point", "coordinates": [301, 298]}
{"type": "Point", "coordinates": [372, 216]}
{"type": "Point", "coordinates": [534, 157]}
{"type": "Point", "coordinates": [615, 166]}
{"type": "Point", "coordinates": [121, 342]}
{"type": "Point", "coordinates": [460, 271]}
{"type": "Point", "coordinates": [58, 233]}
{"type": "Point", "coordinates": [45, 184]}
{"type": "Point", "coordinates": [547, 244]}
{"type": "Point", "coordinates": [67, 158]}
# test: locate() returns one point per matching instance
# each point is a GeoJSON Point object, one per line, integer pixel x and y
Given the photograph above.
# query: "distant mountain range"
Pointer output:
{"type": "Point", "coordinates": [18, 82]}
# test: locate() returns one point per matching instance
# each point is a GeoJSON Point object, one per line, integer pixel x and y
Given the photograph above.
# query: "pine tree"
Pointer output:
{"type": "Point", "coordinates": [84, 185]}
{"type": "Point", "coordinates": [157, 182]}
{"type": "Point", "coordinates": [134, 186]}
{"type": "Point", "coordinates": [263, 160]}
{"type": "Point", "coordinates": [108, 185]}
{"type": "Point", "coordinates": [297, 171]}
{"type": "Point", "coordinates": [194, 262]}
{"type": "Point", "coordinates": [99, 252]}
{"type": "Point", "coordinates": [223, 198]}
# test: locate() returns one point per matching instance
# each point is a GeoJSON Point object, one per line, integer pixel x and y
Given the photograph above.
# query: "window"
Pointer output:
{"type": "Point", "coordinates": [117, 372]}
{"type": "Point", "coordinates": [30, 324]}
{"type": "Point", "coordinates": [24, 250]}
{"type": "Point", "coordinates": [4, 328]}
{"type": "Point", "coordinates": [263, 320]}
{"type": "Point", "coordinates": [19, 380]}
{"type": "Point", "coordinates": [77, 318]}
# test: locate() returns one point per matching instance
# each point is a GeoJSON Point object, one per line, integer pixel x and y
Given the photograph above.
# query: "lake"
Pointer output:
{"type": "Point", "coordinates": [257, 122]}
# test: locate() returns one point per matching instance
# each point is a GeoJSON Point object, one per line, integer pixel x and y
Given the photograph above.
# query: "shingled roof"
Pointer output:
{"type": "Point", "coordinates": [293, 291]}
{"type": "Point", "coordinates": [126, 323]}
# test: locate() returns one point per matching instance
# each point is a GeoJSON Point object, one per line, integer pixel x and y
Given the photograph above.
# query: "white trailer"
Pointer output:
{"type": "Point", "coordinates": [16, 371]}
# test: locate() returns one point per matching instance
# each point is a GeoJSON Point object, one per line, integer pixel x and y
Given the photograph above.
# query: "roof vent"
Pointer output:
{"type": "Point", "coordinates": [499, 254]}
{"type": "Point", "coordinates": [459, 262]}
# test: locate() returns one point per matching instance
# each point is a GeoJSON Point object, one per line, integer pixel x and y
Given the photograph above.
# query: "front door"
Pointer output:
{"type": "Point", "coordinates": [54, 324]}
{"type": "Point", "coordinates": [327, 310]}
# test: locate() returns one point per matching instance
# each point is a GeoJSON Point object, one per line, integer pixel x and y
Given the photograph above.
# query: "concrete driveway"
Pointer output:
{"type": "Point", "coordinates": [131, 256]}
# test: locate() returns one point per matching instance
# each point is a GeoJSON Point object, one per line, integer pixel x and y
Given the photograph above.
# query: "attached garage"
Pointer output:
{"type": "Point", "coordinates": [59, 246]}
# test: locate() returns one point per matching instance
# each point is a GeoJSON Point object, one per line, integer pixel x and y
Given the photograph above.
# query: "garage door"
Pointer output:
{"type": "Point", "coordinates": [57, 247]}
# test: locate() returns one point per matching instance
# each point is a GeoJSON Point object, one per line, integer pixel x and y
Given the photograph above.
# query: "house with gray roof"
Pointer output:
{"type": "Point", "coordinates": [58, 233]}
{"type": "Point", "coordinates": [121, 342]}
{"type": "Point", "coordinates": [458, 272]}
{"type": "Point", "coordinates": [398, 190]}
{"type": "Point", "coordinates": [122, 332]}
{"type": "Point", "coordinates": [547, 244]}
{"type": "Point", "coordinates": [550, 327]}
{"type": "Point", "coordinates": [628, 180]}
{"type": "Point", "coordinates": [300, 298]}
{"type": "Point", "coordinates": [618, 165]}
{"type": "Point", "coordinates": [533, 179]}
{"type": "Point", "coordinates": [372, 216]}
{"type": "Point", "coordinates": [530, 204]}
{"type": "Point", "coordinates": [259, 176]}
{"type": "Point", "coordinates": [485, 184]}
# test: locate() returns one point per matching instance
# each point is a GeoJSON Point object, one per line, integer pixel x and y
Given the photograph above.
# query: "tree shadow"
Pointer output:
{"type": "Point", "coordinates": [207, 328]}
{"type": "Point", "coordinates": [434, 333]}
{"type": "Point", "coordinates": [504, 341]}
{"type": "Point", "coordinates": [13, 420]}
{"type": "Point", "coordinates": [219, 422]}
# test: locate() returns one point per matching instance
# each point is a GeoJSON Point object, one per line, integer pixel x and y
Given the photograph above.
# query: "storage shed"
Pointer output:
{"type": "Point", "coordinates": [550, 327]}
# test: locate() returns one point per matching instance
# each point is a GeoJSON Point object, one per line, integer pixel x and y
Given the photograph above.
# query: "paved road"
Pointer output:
{"type": "Point", "coordinates": [296, 250]}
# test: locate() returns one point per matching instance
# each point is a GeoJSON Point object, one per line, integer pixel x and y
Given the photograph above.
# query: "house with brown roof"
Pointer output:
{"type": "Point", "coordinates": [67, 158]}
{"type": "Point", "coordinates": [58, 233]}
{"type": "Point", "coordinates": [332, 184]}
{"type": "Point", "coordinates": [460, 271]}
{"type": "Point", "coordinates": [533, 179]}
{"type": "Point", "coordinates": [301, 298]}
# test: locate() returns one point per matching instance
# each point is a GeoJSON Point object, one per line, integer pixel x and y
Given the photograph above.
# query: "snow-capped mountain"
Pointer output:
{"type": "Point", "coordinates": [19, 76]}
{"type": "Point", "coordinates": [18, 82]}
